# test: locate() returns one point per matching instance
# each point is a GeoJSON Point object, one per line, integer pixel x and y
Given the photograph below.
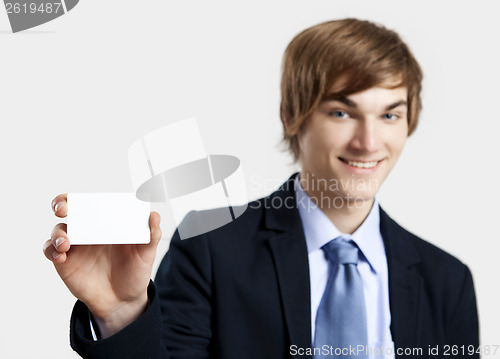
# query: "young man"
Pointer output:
{"type": "Point", "coordinates": [317, 269]}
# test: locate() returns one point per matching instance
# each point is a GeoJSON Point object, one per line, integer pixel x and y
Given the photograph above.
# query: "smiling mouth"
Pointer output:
{"type": "Point", "coordinates": [359, 164]}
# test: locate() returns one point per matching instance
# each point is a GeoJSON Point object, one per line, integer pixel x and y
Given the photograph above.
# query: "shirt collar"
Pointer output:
{"type": "Point", "coordinates": [319, 230]}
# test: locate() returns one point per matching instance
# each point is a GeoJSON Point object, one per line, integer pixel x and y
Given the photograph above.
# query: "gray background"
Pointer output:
{"type": "Point", "coordinates": [77, 91]}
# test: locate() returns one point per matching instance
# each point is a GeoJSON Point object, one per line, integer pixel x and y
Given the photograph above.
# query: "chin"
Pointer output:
{"type": "Point", "coordinates": [359, 196]}
{"type": "Point", "coordinates": [363, 188]}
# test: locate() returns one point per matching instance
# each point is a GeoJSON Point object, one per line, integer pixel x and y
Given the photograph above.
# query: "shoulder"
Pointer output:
{"type": "Point", "coordinates": [222, 221]}
{"type": "Point", "coordinates": [221, 233]}
{"type": "Point", "coordinates": [434, 264]}
{"type": "Point", "coordinates": [440, 282]}
{"type": "Point", "coordinates": [275, 211]}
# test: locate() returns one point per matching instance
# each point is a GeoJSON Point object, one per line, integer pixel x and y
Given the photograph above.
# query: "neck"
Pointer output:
{"type": "Point", "coordinates": [344, 213]}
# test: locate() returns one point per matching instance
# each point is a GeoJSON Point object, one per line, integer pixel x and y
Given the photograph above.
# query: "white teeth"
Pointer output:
{"type": "Point", "coordinates": [362, 164]}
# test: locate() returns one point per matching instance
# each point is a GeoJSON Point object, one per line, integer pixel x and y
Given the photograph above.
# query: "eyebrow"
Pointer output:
{"type": "Point", "coordinates": [353, 104]}
{"type": "Point", "coordinates": [396, 104]}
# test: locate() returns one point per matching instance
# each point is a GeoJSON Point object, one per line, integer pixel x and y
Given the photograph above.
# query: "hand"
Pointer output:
{"type": "Point", "coordinates": [111, 280]}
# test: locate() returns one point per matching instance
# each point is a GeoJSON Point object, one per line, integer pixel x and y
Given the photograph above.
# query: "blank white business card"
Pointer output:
{"type": "Point", "coordinates": [107, 218]}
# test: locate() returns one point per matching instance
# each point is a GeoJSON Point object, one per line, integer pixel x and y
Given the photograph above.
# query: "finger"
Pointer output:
{"type": "Point", "coordinates": [59, 238]}
{"type": "Point", "coordinates": [60, 205]}
{"type": "Point", "coordinates": [52, 254]}
{"type": "Point", "coordinates": [154, 225]}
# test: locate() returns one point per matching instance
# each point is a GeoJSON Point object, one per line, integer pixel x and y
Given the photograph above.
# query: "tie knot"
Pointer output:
{"type": "Point", "coordinates": [341, 252]}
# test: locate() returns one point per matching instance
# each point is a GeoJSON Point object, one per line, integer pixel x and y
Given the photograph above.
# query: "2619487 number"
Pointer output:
{"type": "Point", "coordinates": [463, 350]}
{"type": "Point", "coordinates": [32, 8]}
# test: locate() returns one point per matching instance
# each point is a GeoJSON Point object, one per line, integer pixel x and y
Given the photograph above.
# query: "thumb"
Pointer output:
{"type": "Point", "coordinates": [154, 225]}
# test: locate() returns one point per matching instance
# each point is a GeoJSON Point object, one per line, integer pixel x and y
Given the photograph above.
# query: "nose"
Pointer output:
{"type": "Point", "coordinates": [365, 137]}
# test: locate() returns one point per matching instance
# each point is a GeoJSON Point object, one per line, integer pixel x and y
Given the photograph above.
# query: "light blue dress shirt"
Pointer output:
{"type": "Point", "coordinates": [372, 267]}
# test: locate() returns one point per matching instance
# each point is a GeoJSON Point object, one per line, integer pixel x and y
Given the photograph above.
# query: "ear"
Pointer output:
{"type": "Point", "coordinates": [289, 131]}
{"type": "Point", "coordinates": [286, 124]}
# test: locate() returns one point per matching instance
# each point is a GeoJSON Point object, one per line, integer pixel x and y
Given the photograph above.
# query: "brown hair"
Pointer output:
{"type": "Point", "coordinates": [366, 53]}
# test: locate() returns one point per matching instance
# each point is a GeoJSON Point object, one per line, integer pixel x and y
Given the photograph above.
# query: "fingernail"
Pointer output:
{"type": "Point", "coordinates": [59, 241]}
{"type": "Point", "coordinates": [58, 206]}
{"type": "Point", "coordinates": [56, 254]}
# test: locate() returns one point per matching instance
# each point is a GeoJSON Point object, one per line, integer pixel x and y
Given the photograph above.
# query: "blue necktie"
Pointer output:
{"type": "Point", "coordinates": [341, 317]}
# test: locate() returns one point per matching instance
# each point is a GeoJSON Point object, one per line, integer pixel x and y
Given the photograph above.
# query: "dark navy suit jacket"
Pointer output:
{"type": "Point", "coordinates": [242, 291]}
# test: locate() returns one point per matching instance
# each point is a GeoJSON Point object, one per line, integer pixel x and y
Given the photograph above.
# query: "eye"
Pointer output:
{"type": "Point", "coordinates": [390, 116]}
{"type": "Point", "coordinates": [339, 114]}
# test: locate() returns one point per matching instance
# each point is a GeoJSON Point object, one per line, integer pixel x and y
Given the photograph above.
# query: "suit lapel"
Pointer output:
{"type": "Point", "coordinates": [405, 285]}
{"type": "Point", "coordinates": [288, 247]}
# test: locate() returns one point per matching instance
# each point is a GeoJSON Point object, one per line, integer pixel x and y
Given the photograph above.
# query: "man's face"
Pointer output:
{"type": "Point", "coordinates": [349, 145]}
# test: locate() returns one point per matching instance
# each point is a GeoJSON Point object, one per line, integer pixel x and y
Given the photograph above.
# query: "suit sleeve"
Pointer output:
{"type": "Point", "coordinates": [141, 339]}
{"type": "Point", "coordinates": [177, 323]}
{"type": "Point", "coordinates": [184, 281]}
{"type": "Point", "coordinates": [463, 328]}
